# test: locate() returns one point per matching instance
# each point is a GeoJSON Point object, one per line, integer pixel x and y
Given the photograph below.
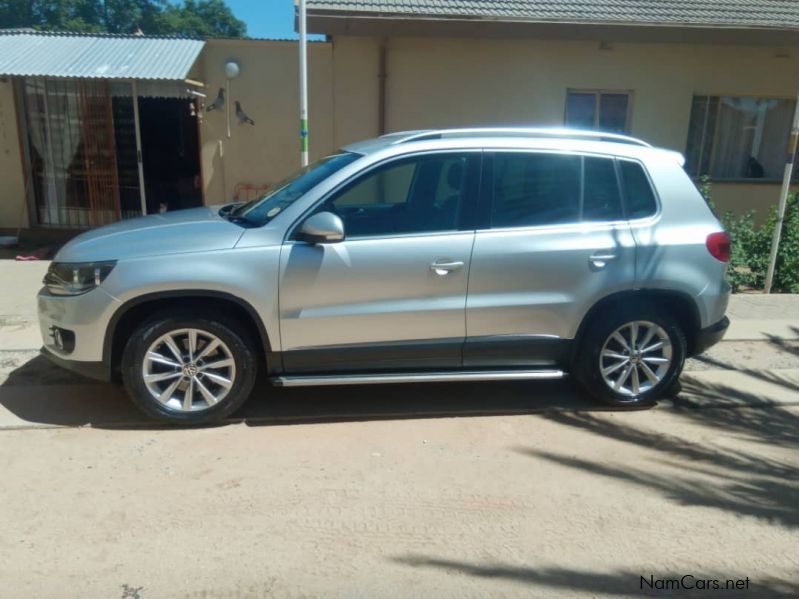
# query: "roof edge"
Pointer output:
{"type": "Point", "coordinates": [99, 34]}
{"type": "Point", "coordinates": [329, 23]}
{"type": "Point", "coordinates": [434, 17]}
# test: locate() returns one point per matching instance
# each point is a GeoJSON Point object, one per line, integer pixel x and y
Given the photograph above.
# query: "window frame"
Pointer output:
{"type": "Point", "coordinates": [467, 219]}
{"type": "Point", "coordinates": [598, 92]}
{"type": "Point", "coordinates": [486, 204]}
{"type": "Point", "coordinates": [714, 145]}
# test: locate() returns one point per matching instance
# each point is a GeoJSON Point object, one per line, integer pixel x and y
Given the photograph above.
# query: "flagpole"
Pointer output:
{"type": "Point", "coordinates": [303, 85]}
{"type": "Point", "coordinates": [790, 158]}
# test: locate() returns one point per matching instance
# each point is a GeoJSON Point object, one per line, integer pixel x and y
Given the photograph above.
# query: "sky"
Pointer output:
{"type": "Point", "coordinates": [266, 18]}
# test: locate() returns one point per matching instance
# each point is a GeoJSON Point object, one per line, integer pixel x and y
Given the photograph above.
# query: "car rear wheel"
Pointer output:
{"type": "Point", "coordinates": [633, 358]}
{"type": "Point", "coordinates": [188, 369]}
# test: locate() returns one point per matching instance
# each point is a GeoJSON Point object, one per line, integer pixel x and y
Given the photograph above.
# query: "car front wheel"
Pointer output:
{"type": "Point", "coordinates": [188, 369]}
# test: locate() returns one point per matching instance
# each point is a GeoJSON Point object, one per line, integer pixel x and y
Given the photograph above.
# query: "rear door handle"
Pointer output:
{"type": "Point", "coordinates": [601, 260]}
{"type": "Point", "coordinates": [442, 268]}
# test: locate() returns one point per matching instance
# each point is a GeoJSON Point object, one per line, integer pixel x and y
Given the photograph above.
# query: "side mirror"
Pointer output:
{"type": "Point", "coordinates": [322, 227]}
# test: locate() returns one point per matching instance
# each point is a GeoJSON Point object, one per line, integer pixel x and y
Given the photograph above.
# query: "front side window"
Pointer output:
{"type": "Point", "coordinates": [535, 189]}
{"type": "Point", "coordinates": [602, 110]}
{"type": "Point", "coordinates": [738, 137]}
{"type": "Point", "coordinates": [421, 194]}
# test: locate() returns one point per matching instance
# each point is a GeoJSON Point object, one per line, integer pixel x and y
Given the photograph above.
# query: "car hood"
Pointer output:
{"type": "Point", "coordinates": [181, 231]}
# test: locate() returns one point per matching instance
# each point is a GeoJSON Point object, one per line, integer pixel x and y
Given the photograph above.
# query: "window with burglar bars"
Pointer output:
{"type": "Point", "coordinates": [738, 138]}
{"type": "Point", "coordinates": [73, 131]}
{"type": "Point", "coordinates": [602, 110]}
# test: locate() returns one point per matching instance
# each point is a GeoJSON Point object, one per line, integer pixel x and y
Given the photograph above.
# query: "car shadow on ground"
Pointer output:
{"type": "Point", "coordinates": [39, 393]}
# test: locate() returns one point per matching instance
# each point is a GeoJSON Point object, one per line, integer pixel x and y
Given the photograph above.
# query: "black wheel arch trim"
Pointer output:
{"type": "Point", "coordinates": [110, 331]}
{"type": "Point", "coordinates": [641, 294]}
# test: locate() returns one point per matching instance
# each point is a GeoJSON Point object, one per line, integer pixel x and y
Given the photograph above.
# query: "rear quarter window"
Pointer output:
{"type": "Point", "coordinates": [638, 193]}
{"type": "Point", "coordinates": [601, 195]}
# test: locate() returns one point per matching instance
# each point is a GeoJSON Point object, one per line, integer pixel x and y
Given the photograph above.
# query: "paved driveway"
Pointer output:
{"type": "Point", "coordinates": [469, 490]}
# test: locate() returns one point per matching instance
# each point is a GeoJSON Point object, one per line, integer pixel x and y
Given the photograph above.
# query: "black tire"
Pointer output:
{"type": "Point", "coordinates": [587, 366]}
{"type": "Point", "coordinates": [231, 333]}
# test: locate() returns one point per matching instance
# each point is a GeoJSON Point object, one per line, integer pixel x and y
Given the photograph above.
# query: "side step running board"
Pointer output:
{"type": "Point", "coordinates": [414, 377]}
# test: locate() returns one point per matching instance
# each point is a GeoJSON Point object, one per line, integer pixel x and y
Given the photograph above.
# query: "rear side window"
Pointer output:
{"type": "Point", "coordinates": [637, 190]}
{"type": "Point", "coordinates": [532, 189]}
{"type": "Point", "coordinates": [535, 189]}
{"type": "Point", "coordinates": [601, 195]}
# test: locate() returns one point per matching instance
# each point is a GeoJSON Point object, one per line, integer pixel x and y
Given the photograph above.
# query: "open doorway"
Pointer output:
{"type": "Point", "coordinates": [170, 153]}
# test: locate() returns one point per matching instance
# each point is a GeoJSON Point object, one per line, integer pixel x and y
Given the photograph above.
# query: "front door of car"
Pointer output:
{"type": "Point", "coordinates": [554, 240]}
{"type": "Point", "coordinates": [392, 294]}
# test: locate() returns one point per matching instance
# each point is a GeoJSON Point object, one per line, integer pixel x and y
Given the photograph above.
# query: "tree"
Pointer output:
{"type": "Point", "coordinates": [204, 18]}
{"type": "Point", "coordinates": [195, 18]}
{"type": "Point", "coordinates": [128, 16]}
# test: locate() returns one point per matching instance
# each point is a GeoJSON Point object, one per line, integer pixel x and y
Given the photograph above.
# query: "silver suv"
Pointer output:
{"type": "Point", "coordinates": [477, 255]}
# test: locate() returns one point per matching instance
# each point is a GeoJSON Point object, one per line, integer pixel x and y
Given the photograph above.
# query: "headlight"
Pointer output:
{"type": "Point", "coordinates": [74, 278]}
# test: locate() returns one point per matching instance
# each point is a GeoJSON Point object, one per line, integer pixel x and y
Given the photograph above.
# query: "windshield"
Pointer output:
{"type": "Point", "coordinates": [280, 196]}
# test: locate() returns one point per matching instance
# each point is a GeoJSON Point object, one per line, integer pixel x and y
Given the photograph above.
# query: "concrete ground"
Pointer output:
{"type": "Point", "coordinates": [467, 490]}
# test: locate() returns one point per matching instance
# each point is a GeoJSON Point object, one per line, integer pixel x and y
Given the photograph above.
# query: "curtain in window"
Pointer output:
{"type": "Point", "coordinates": [72, 150]}
{"type": "Point", "coordinates": [42, 162]}
{"type": "Point", "coordinates": [65, 139]}
{"type": "Point", "coordinates": [738, 138]}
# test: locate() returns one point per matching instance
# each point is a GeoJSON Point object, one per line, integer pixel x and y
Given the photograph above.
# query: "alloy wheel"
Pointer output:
{"type": "Point", "coordinates": [635, 357]}
{"type": "Point", "coordinates": [189, 370]}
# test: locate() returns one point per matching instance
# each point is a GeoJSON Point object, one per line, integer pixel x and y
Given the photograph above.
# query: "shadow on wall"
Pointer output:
{"type": "Point", "coordinates": [215, 191]}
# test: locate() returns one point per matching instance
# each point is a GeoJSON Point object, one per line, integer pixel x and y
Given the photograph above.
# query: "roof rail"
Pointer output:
{"type": "Point", "coordinates": [560, 133]}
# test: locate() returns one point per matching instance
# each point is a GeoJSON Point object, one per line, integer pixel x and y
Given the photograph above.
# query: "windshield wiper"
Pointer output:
{"type": "Point", "coordinates": [239, 220]}
{"type": "Point", "coordinates": [232, 208]}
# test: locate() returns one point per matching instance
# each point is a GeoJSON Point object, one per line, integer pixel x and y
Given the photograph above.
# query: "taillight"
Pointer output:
{"type": "Point", "coordinates": [718, 244]}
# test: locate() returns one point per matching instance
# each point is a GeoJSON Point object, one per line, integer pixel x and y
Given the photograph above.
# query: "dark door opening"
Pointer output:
{"type": "Point", "coordinates": [170, 154]}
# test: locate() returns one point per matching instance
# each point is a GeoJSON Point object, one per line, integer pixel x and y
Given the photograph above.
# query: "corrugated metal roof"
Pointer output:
{"type": "Point", "coordinates": [28, 54]}
{"type": "Point", "coordinates": [781, 14]}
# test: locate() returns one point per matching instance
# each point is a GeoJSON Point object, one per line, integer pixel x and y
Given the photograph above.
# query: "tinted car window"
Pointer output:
{"type": "Point", "coordinates": [413, 195]}
{"type": "Point", "coordinates": [535, 189]}
{"type": "Point", "coordinates": [637, 191]}
{"type": "Point", "coordinates": [601, 195]}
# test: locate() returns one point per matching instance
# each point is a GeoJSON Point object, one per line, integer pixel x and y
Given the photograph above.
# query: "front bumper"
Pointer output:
{"type": "Point", "coordinates": [711, 335]}
{"type": "Point", "coordinates": [100, 371]}
{"type": "Point", "coordinates": [73, 329]}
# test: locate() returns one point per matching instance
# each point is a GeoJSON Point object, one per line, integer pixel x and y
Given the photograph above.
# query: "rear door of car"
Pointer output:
{"type": "Point", "coordinates": [552, 239]}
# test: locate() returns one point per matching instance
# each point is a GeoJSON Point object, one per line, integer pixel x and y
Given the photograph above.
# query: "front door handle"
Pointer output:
{"type": "Point", "coordinates": [601, 260]}
{"type": "Point", "coordinates": [443, 268]}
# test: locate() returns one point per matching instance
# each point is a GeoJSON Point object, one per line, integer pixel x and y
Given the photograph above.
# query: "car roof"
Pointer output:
{"type": "Point", "coordinates": [542, 138]}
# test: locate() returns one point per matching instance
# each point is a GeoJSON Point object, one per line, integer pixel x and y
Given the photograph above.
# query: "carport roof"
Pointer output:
{"type": "Point", "coordinates": [37, 54]}
{"type": "Point", "coordinates": [778, 14]}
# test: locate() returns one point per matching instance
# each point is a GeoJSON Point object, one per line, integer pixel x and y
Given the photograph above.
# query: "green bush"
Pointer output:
{"type": "Point", "coordinates": [751, 246]}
